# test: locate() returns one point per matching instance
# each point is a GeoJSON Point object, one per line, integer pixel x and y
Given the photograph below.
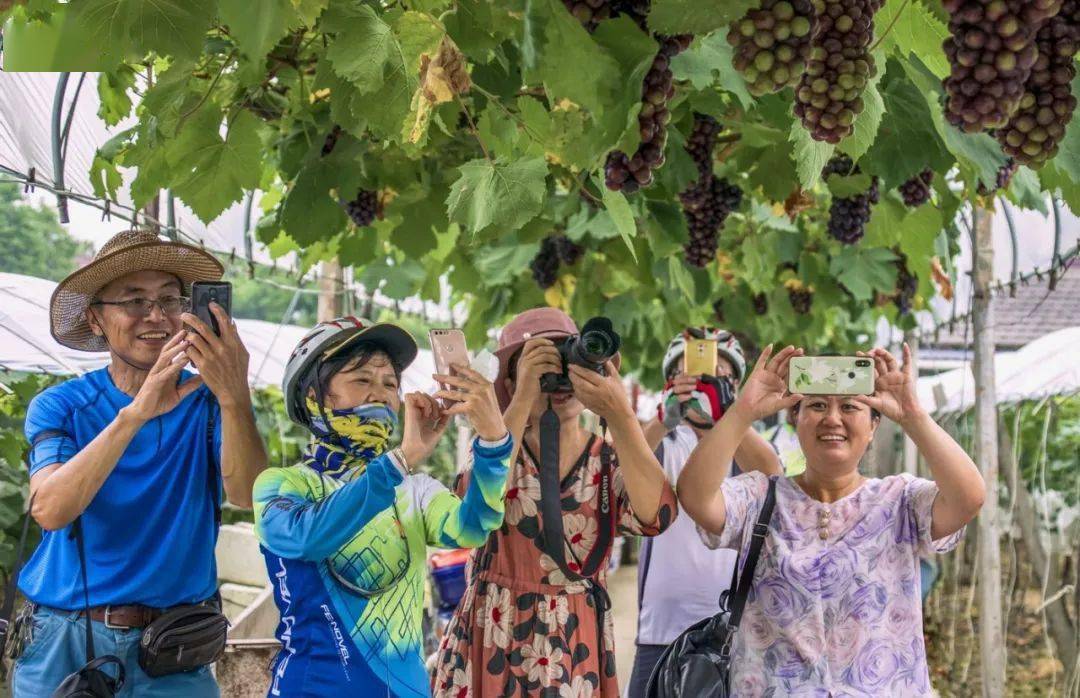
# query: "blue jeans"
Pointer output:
{"type": "Point", "coordinates": [645, 660]}
{"type": "Point", "coordinates": [58, 648]}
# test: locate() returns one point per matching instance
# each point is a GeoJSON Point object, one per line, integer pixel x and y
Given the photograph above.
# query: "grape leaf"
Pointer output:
{"type": "Point", "coordinates": [886, 222]}
{"type": "Point", "coordinates": [619, 210]}
{"type": "Point", "coordinates": [309, 213]}
{"type": "Point", "coordinates": [1025, 191]}
{"type": "Point", "coordinates": [865, 127]}
{"type": "Point", "coordinates": [708, 61]}
{"type": "Point", "coordinates": [257, 32]}
{"type": "Point", "coordinates": [498, 264]}
{"type": "Point", "coordinates": [309, 10]}
{"type": "Point", "coordinates": [863, 270]}
{"type": "Point", "coordinates": [921, 229]}
{"type": "Point", "coordinates": [810, 156]}
{"type": "Point", "coordinates": [850, 185]}
{"type": "Point", "coordinates": [916, 30]}
{"type": "Point", "coordinates": [113, 86]}
{"type": "Point", "coordinates": [499, 195]}
{"type": "Point", "coordinates": [219, 172]}
{"type": "Point", "coordinates": [169, 28]}
{"type": "Point", "coordinates": [695, 16]}
{"type": "Point", "coordinates": [363, 47]}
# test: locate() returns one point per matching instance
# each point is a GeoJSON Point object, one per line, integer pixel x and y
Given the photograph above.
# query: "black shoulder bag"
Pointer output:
{"type": "Point", "coordinates": [188, 637]}
{"type": "Point", "coordinates": [552, 537]}
{"type": "Point", "coordinates": [698, 663]}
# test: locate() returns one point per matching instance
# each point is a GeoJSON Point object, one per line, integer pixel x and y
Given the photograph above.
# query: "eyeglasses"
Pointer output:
{"type": "Point", "coordinates": [142, 307]}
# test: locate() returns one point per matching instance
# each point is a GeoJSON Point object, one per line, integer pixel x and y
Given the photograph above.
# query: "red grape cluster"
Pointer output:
{"type": "Point", "coordinates": [991, 50]}
{"type": "Point", "coordinates": [365, 208]}
{"type": "Point", "coordinates": [829, 94]}
{"type": "Point", "coordinates": [760, 302]}
{"type": "Point", "coordinates": [718, 310]}
{"type": "Point", "coordinates": [772, 44]}
{"type": "Point", "coordinates": [1038, 125]}
{"type": "Point", "coordinates": [1004, 178]}
{"type": "Point", "coordinates": [708, 201]}
{"type": "Point", "coordinates": [627, 173]}
{"type": "Point", "coordinates": [906, 286]}
{"type": "Point", "coordinates": [589, 12]}
{"type": "Point", "coordinates": [916, 191]}
{"type": "Point", "coordinates": [331, 140]}
{"type": "Point", "coordinates": [554, 250]}
{"type": "Point", "coordinates": [848, 215]}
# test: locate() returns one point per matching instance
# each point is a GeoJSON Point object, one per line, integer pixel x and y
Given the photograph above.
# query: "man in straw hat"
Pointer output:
{"type": "Point", "coordinates": [139, 451]}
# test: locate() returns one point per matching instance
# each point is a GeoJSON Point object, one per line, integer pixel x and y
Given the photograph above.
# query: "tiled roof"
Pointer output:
{"type": "Point", "coordinates": [1032, 313]}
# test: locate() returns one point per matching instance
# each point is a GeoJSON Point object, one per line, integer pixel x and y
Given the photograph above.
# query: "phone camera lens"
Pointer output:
{"type": "Point", "coordinates": [851, 374]}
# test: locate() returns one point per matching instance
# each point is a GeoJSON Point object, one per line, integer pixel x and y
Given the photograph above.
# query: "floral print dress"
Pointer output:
{"type": "Point", "coordinates": [835, 606]}
{"type": "Point", "coordinates": [523, 628]}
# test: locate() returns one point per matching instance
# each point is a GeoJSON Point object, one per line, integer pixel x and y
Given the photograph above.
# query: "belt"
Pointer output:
{"type": "Point", "coordinates": [132, 616]}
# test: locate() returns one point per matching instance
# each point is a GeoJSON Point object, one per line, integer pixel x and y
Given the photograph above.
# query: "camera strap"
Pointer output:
{"type": "Point", "coordinates": [12, 586]}
{"type": "Point", "coordinates": [552, 537]}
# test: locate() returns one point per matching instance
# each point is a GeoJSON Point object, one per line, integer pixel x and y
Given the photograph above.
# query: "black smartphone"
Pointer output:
{"type": "Point", "coordinates": [203, 293]}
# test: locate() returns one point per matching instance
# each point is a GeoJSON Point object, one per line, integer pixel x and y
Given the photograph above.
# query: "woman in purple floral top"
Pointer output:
{"type": "Point", "coordinates": [834, 608]}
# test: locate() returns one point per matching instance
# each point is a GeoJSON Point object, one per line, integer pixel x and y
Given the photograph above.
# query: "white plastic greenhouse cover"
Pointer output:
{"type": "Point", "coordinates": [1050, 365]}
{"type": "Point", "coordinates": [27, 346]}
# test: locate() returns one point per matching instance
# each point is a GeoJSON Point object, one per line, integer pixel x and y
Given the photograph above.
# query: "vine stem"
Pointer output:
{"type": "Point", "coordinates": [888, 29]}
{"type": "Point", "coordinates": [494, 99]}
{"type": "Point", "coordinates": [209, 90]}
{"type": "Point", "coordinates": [475, 131]}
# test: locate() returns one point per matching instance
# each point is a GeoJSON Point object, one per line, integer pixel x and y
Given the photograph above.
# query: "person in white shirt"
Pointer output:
{"type": "Point", "coordinates": [679, 579]}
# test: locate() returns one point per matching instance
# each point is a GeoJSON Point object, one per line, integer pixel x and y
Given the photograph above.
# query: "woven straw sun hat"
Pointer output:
{"type": "Point", "coordinates": [124, 253]}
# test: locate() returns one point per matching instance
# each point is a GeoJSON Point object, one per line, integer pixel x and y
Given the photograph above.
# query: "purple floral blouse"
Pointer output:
{"type": "Point", "coordinates": [835, 606]}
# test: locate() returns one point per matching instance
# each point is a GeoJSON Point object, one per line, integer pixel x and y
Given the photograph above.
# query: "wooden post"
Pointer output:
{"type": "Point", "coordinates": [330, 288]}
{"type": "Point", "coordinates": [991, 629]}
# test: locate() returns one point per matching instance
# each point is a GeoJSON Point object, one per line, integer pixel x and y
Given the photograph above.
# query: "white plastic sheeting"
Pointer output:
{"type": "Point", "coordinates": [1050, 365]}
{"type": "Point", "coordinates": [27, 346]}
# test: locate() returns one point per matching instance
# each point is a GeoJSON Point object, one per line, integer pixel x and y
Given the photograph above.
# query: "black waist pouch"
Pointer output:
{"type": "Point", "coordinates": [184, 639]}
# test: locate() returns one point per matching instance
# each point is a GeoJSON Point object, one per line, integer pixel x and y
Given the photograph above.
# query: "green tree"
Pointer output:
{"type": "Point", "coordinates": [33, 241]}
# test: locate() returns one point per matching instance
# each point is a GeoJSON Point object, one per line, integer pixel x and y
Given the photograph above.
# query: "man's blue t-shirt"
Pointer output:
{"type": "Point", "coordinates": [150, 529]}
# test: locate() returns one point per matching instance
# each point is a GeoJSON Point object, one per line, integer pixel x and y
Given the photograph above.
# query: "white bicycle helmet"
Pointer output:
{"type": "Point", "coordinates": [328, 338]}
{"type": "Point", "coordinates": [726, 346]}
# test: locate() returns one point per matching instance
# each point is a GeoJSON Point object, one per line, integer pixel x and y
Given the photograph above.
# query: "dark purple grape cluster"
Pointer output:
{"type": "Point", "coordinates": [801, 299]}
{"type": "Point", "coordinates": [589, 12]}
{"type": "Point", "coordinates": [718, 311]}
{"type": "Point", "coordinates": [365, 208]}
{"type": "Point", "coordinates": [772, 44]}
{"type": "Point", "coordinates": [848, 215]}
{"type": "Point", "coordinates": [554, 250]}
{"type": "Point", "coordinates": [760, 302]}
{"type": "Point", "coordinates": [829, 94]}
{"type": "Point", "coordinates": [628, 173]}
{"type": "Point", "coordinates": [906, 286]}
{"type": "Point", "coordinates": [991, 50]}
{"type": "Point", "coordinates": [706, 208]}
{"type": "Point", "coordinates": [1004, 178]}
{"type": "Point", "coordinates": [331, 140]}
{"type": "Point", "coordinates": [916, 191]}
{"type": "Point", "coordinates": [1038, 125]}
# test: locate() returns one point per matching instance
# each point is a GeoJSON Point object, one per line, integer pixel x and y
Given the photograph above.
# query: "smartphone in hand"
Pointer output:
{"type": "Point", "coordinates": [700, 357]}
{"type": "Point", "coordinates": [831, 375]}
{"type": "Point", "coordinates": [203, 293]}
{"type": "Point", "coordinates": [448, 348]}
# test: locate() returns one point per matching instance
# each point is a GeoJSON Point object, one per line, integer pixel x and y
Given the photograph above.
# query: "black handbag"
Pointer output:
{"type": "Point", "coordinates": [698, 663]}
{"type": "Point", "coordinates": [186, 638]}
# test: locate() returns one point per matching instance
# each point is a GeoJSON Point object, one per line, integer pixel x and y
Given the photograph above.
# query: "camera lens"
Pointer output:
{"type": "Point", "coordinates": [851, 374]}
{"type": "Point", "coordinates": [862, 362]}
{"type": "Point", "coordinates": [597, 344]}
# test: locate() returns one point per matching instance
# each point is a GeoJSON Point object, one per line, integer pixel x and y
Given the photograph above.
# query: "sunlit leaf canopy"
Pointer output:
{"type": "Point", "coordinates": [232, 97]}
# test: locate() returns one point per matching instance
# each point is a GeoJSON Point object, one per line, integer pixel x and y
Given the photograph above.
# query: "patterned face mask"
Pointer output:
{"type": "Point", "coordinates": [366, 428]}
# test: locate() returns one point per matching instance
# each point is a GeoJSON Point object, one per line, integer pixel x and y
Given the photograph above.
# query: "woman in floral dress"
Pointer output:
{"type": "Point", "coordinates": [524, 627]}
{"type": "Point", "coordinates": [834, 606]}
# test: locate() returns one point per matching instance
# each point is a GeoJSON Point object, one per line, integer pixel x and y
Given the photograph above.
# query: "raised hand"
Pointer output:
{"type": "Point", "coordinates": [474, 397]}
{"type": "Point", "coordinates": [766, 391]}
{"type": "Point", "coordinates": [538, 356]}
{"type": "Point", "coordinates": [160, 392]}
{"type": "Point", "coordinates": [605, 395]}
{"type": "Point", "coordinates": [895, 394]}
{"type": "Point", "coordinates": [222, 361]}
{"type": "Point", "coordinates": [425, 422]}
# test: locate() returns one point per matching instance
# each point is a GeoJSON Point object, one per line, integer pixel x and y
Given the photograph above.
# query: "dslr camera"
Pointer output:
{"type": "Point", "coordinates": [597, 343]}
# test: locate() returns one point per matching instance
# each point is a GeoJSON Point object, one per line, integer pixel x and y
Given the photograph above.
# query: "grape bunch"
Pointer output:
{"type": "Point", "coordinates": [589, 12]}
{"type": "Point", "coordinates": [628, 173]}
{"type": "Point", "coordinates": [718, 310]}
{"type": "Point", "coordinates": [848, 215]}
{"type": "Point", "coordinates": [991, 51]}
{"type": "Point", "coordinates": [760, 302]}
{"type": "Point", "coordinates": [829, 93]}
{"type": "Point", "coordinates": [1038, 125]}
{"type": "Point", "coordinates": [365, 208]}
{"type": "Point", "coordinates": [1004, 178]}
{"type": "Point", "coordinates": [801, 300]}
{"type": "Point", "coordinates": [916, 191]}
{"type": "Point", "coordinates": [555, 249]}
{"type": "Point", "coordinates": [772, 44]}
{"type": "Point", "coordinates": [706, 207]}
{"type": "Point", "coordinates": [331, 140]}
{"type": "Point", "coordinates": [906, 286]}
